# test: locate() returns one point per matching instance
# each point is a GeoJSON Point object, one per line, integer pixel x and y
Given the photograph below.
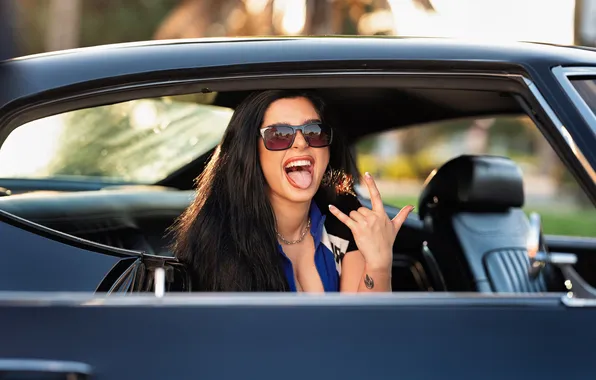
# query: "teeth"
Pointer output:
{"type": "Point", "coordinates": [298, 163]}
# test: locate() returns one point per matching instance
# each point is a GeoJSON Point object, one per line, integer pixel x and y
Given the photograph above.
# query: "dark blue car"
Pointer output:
{"type": "Point", "coordinates": [100, 149]}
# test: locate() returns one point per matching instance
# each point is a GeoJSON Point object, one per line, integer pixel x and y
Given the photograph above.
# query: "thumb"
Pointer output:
{"type": "Point", "coordinates": [400, 218]}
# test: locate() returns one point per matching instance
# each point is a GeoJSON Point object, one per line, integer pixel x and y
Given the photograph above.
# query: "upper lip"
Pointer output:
{"type": "Point", "coordinates": [299, 158]}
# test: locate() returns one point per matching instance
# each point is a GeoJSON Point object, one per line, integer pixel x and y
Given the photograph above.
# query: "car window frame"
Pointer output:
{"type": "Point", "coordinates": [529, 95]}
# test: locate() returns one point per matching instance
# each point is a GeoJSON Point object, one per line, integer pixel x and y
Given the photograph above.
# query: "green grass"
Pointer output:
{"type": "Point", "coordinates": [555, 221]}
{"type": "Point", "coordinates": [574, 223]}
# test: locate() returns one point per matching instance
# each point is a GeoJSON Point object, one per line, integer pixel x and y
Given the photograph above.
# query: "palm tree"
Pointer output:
{"type": "Point", "coordinates": [8, 48]}
{"type": "Point", "coordinates": [63, 30]}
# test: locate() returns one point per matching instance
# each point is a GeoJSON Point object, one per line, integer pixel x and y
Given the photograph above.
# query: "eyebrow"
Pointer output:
{"type": "Point", "coordinates": [309, 121]}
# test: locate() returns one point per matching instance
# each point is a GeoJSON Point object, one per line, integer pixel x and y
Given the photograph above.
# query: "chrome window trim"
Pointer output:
{"type": "Point", "coordinates": [578, 302]}
{"type": "Point", "coordinates": [239, 299]}
{"type": "Point", "coordinates": [562, 75]}
{"type": "Point", "coordinates": [561, 128]}
{"type": "Point", "coordinates": [72, 370]}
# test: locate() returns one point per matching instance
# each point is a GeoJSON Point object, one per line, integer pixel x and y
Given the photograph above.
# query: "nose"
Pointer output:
{"type": "Point", "coordinates": [299, 141]}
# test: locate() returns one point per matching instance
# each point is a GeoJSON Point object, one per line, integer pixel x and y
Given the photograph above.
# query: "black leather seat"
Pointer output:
{"type": "Point", "coordinates": [473, 206]}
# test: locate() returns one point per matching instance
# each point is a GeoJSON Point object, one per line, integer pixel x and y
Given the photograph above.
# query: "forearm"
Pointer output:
{"type": "Point", "coordinates": [375, 280]}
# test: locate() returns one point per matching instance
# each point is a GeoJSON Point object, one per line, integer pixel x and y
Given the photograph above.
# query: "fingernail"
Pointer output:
{"type": "Point", "coordinates": [331, 207]}
{"type": "Point", "coordinates": [367, 175]}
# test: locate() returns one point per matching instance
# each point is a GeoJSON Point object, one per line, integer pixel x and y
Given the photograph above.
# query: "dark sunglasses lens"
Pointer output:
{"type": "Point", "coordinates": [318, 135]}
{"type": "Point", "coordinates": [278, 138]}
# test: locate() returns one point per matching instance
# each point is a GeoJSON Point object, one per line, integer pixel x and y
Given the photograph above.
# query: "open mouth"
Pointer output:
{"type": "Point", "coordinates": [299, 171]}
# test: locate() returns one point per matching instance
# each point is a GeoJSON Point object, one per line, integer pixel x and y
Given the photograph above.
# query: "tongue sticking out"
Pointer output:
{"type": "Point", "coordinates": [300, 178]}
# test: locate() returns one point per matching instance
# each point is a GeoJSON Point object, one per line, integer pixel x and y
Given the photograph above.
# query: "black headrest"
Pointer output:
{"type": "Point", "coordinates": [473, 183]}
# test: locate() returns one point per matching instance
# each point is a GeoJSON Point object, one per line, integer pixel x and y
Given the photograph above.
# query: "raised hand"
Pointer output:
{"type": "Point", "coordinates": [374, 233]}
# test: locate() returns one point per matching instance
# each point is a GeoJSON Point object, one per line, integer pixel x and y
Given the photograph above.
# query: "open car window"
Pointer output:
{"type": "Point", "coordinates": [402, 159]}
{"type": "Point", "coordinates": [139, 141]}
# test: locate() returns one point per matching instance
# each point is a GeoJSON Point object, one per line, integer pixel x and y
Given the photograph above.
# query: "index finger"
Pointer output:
{"type": "Point", "coordinates": [375, 196]}
{"type": "Point", "coordinates": [342, 217]}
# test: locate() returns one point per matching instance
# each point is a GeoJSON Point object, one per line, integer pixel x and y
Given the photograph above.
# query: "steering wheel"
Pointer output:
{"type": "Point", "coordinates": [540, 256]}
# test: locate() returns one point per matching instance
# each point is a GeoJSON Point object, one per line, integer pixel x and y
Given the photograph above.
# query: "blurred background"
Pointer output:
{"type": "Point", "coordinates": [401, 160]}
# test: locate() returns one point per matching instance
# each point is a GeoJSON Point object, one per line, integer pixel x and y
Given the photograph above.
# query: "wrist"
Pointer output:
{"type": "Point", "coordinates": [378, 267]}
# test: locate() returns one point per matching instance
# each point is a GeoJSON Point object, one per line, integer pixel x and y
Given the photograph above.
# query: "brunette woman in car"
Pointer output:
{"type": "Point", "coordinates": [267, 217]}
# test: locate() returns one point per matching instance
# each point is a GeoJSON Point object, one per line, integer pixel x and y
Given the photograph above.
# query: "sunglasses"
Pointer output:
{"type": "Point", "coordinates": [281, 137]}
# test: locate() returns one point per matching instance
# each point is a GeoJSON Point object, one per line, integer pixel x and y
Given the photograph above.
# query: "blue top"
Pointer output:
{"type": "Point", "coordinates": [324, 259]}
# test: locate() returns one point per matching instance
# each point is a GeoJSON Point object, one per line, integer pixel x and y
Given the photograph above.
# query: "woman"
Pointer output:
{"type": "Point", "coordinates": [269, 183]}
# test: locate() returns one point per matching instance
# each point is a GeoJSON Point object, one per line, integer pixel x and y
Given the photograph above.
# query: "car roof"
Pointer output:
{"type": "Point", "coordinates": [429, 46]}
{"type": "Point", "coordinates": [27, 76]}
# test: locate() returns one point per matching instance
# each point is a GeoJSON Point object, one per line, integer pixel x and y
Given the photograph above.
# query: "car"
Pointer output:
{"type": "Point", "coordinates": [100, 150]}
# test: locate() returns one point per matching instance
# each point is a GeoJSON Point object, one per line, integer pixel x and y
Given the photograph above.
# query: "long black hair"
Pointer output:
{"type": "Point", "coordinates": [227, 236]}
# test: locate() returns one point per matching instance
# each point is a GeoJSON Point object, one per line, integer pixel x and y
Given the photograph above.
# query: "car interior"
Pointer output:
{"type": "Point", "coordinates": [468, 231]}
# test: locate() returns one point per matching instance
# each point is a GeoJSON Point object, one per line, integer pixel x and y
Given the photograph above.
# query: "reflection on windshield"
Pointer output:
{"type": "Point", "coordinates": [138, 141]}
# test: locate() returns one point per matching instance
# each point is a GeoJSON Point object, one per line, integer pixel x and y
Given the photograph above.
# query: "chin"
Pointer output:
{"type": "Point", "coordinates": [300, 195]}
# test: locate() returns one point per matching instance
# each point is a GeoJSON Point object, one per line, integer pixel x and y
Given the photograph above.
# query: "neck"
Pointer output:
{"type": "Point", "coordinates": [291, 217]}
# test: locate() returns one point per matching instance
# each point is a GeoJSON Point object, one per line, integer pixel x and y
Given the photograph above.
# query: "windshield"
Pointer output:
{"type": "Point", "coordinates": [140, 141]}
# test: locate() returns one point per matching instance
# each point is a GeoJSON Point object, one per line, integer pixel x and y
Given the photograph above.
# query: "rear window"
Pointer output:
{"type": "Point", "coordinates": [587, 90]}
{"type": "Point", "coordinates": [139, 141]}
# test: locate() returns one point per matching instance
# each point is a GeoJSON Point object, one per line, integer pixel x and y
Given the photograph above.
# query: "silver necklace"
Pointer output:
{"type": "Point", "coordinates": [301, 236]}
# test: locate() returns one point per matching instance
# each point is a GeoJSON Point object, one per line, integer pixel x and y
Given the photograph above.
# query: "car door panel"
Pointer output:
{"type": "Point", "coordinates": [39, 259]}
{"type": "Point", "coordinates": [583, 247]}
{"type": "Point", "coordinates": [234, 336]}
